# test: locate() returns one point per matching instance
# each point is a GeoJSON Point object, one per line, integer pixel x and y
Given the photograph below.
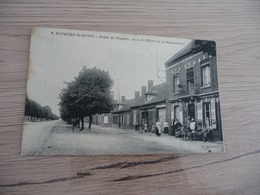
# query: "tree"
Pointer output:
{"type": "Point", "coordinates": [36, 111]}
{"type": "Point", "coordinates": [89, 93]}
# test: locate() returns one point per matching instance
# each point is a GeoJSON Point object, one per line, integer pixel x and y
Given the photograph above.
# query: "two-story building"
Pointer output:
{"type": "Point", "coordinates": [192, 84]}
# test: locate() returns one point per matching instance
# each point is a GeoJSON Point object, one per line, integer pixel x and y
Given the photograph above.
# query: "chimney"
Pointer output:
{"type": "Point", "coordinates": [143, 90]}
{"type": "Point", "coordinates": [137, 94]}
{"type": "Point", "coordinates": [122, 98]}
{"type": "Point", "coordinates": [150, 84]}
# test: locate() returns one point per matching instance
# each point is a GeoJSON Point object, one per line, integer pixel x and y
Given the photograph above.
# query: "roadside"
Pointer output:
{"type": "Point", "coordinates": [58, 138]}
{"type": "Point", "coordinates": [178, 144]}
{"type": "Point", "coordinates": [35, 134]}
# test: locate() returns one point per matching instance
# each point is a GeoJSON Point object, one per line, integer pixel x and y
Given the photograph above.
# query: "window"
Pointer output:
{"type": "Point", "coordinates": [190, 80]}
{"type": "Point", "coordinates": [205, 75]}
{"type": "Point", "coordinates": [149, 97]}
{"type": "Point", "coordinates": [207, 118]}
{"type": "Point", "coordinates": [176, 82]}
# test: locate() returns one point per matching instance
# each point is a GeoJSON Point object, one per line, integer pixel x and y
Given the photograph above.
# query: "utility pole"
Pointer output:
{"type": "Point", "coordinates": [166, 87]}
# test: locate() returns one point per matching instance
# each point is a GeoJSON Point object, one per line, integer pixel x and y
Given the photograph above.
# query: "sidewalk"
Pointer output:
{"type": "Point", "coordinates": [171, 141]}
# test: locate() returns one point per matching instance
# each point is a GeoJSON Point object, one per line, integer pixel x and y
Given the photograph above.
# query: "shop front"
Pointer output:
{"type": "Point", "coordinates": [205, 110]}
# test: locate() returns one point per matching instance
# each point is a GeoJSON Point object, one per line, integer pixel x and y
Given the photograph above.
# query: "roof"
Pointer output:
{"type": "Point", "coordinates": [195, 46]}
{"type": "Point", "coordinates": [187, 49]}
{"type": "Point", "coordinates": [158, 90]}
{"type": "Point", "coordinates": [127, 106]}
{"type": "Point", "coordinates": [116, 102]}
{"type": "Point", "coordinates": [139, 101]}
{"type": "Point", "coordinates": [160, 96]}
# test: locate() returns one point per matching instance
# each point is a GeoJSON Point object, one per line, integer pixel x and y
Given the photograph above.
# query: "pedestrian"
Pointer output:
{"type": "Point", "coordinates": [199, 132]}
{"type": "Point", "coordinates": [187, 123]}
{"type": "Point", "coordinates": [205, 132]}
{"type": "Point", "coordinates": [145, 127]}
{"type": "Point", "coordinates": [153, 128]}
{"type": "Point", "coordinates": [141, 129]}
{"type": "Point", "coordinates": [192, 128]}
{"type": "Point", "coordinates": [173, 127]}
{"type": "Point", "coordinates": [165, 127]}
{"type": "Point", "coordinates": [177, 127]}
{"type": "Point", "coordinates": [158, 131]}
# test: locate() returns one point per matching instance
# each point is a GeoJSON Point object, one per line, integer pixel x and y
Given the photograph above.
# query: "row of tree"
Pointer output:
{"type": "Point", "coordinates": [35, 112]}
{"type": "Point", "coordinates": [88, 94]}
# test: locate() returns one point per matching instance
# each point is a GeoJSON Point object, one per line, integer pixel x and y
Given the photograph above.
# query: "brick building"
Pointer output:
{"type": "Point", "coordinates": [192, 85]}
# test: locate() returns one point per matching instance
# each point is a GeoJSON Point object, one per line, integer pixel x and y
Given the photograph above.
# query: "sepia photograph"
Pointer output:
{"type": "Point", "coordinates": [103, 93]}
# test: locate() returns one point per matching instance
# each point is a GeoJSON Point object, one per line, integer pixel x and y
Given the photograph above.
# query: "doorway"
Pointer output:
{"type": "Point", "coordinates": [191, 111]}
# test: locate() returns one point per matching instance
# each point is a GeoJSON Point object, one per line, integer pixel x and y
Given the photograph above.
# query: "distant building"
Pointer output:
{"type": "Point", "coordinates": [107, 119]}
{"type": "Point", "coordinates": [154, 107]}
{"type": "Point", "coordinates": [122, 117]}
{"type": "Point", "coordinates": [192, 83]}
{"type": "Point", "coordinates": [145, 108]}
{"type": "Point", "coordinates": [135, 111]}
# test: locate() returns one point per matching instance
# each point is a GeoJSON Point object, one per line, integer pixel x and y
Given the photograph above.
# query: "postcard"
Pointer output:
{"type": "Point", "coordinates": [101, 93]}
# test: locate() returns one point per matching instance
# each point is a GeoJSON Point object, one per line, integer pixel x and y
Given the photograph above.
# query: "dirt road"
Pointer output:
{"type": "Point", "coordinates": [58, 138]}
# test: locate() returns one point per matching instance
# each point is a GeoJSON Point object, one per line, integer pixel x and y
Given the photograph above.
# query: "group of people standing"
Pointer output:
{"type": "Point", "coordinates": [156, 128]}
{"type": "Point", "coordinates": [190, 130]}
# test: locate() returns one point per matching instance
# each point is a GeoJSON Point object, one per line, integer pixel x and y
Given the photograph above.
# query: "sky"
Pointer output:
{"type": "Point", "coordinates": [58, 55]}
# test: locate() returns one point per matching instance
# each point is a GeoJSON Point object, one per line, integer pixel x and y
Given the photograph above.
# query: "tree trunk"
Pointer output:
{"type": "Point", "coordinates": [90, 121]}
{"type": "Point", "coordinates": [82, 123]}
{"type": "Point", "coordinates": [78, 122]}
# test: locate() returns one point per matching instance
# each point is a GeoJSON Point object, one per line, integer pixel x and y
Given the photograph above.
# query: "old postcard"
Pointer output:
{"type": "Point", "coordinates": [99, 93]}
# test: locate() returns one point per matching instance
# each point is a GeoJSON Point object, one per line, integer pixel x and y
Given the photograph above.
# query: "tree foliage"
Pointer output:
{"type": "Point", "coordinates": [35, 111]}
{"type": "Point", "coordinates": [89, 93]}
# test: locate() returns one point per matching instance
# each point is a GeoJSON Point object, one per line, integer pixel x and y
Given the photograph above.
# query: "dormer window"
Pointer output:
{"type": "Point", "coordinates": [149, 97]}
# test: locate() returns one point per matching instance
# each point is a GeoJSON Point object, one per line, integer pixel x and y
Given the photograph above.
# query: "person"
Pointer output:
{"type": "Point", "coordinates": [158, 128]}
{"type": "Point", "coordinates": [173, 127]}
{"type": "Point", "coordinates": [153, 128]}
{"type": "Point", "coordinates": [74, 123]}
{"type": "Point", "coordinates": [192, 128]}
{"type": "Point", "coordinates": [145, 127]}
{"type": "Point", "coordinates": [187, 123]}
{"type": "Point", "coordinates": [141, 129]}
{"type": "Point", "coordinates": [177, 126]}
{"type": "Point", "coordinates": [165, 127]}
{"type": "Point", "coordinates": [199, 130]}
{"type": "Point", "coordinates": [205, 132]}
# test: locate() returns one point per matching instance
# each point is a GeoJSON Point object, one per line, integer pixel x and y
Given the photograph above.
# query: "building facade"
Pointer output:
{"type": "Point", "coordinates": [154, 107]}
{"type": "Point", "coordinates": [192, 84]}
